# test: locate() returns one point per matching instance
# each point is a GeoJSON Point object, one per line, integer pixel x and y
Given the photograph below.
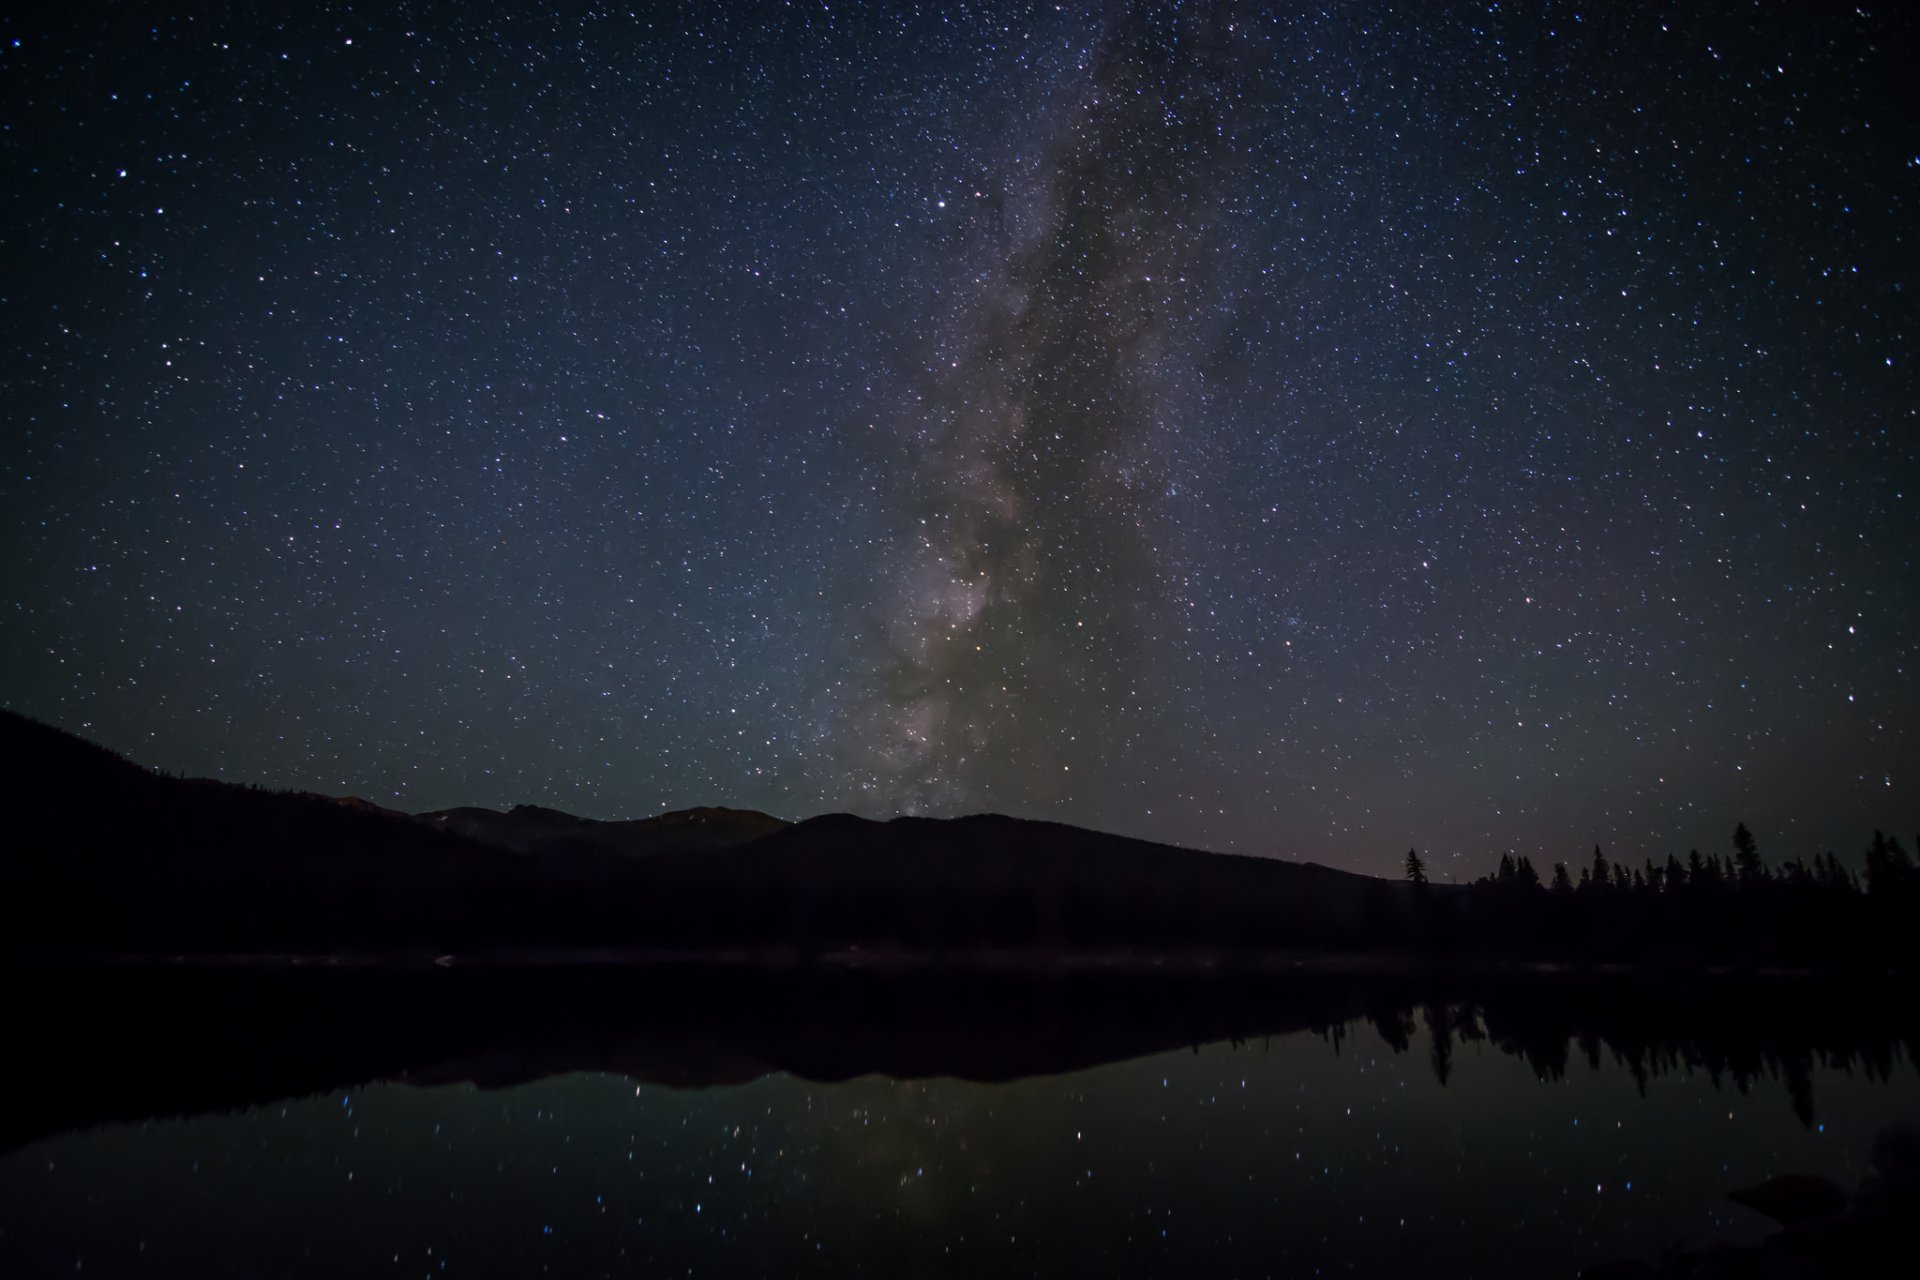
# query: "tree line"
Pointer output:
{"type": "Point", "coordinates": [1731, 906]}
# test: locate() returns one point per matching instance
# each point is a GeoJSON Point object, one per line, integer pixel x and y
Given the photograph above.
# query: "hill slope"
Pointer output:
{"type": "Point", "coordinates": [109, 857]}
{"type": "Point", "coordinates": [532, 829]}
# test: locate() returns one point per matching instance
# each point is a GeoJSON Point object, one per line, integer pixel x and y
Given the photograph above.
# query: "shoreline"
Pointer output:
{"type": "Point", "coordinates": [905, 962]}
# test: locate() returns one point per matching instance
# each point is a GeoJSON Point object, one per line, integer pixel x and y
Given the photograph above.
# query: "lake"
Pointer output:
{"type": "Point", "coordinates": [623, 1124]}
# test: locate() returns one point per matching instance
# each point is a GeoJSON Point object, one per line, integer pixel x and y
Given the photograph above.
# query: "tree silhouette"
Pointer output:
{"type": "Point", "coordinates": [1746, 855]}
{"type": "Point", "coordinates": [1416, 869]}
{"type": "Point", "coordinates": [1888, 867]}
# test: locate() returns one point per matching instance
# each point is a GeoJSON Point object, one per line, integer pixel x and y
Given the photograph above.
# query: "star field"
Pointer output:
{"type": "Point", "coordinates": [1313, 433]}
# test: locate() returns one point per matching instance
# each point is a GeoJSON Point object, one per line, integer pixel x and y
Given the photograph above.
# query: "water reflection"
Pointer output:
{"type": "Point", "coordinates": [1266, 1124]}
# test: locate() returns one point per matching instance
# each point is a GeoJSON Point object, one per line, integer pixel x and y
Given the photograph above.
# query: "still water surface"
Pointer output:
{"type": "Point", "coordinates": [1305, 1154]}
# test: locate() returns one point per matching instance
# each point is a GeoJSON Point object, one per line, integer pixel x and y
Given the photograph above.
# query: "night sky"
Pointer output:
{"type": "Point", "coordinates": [1482, 427]}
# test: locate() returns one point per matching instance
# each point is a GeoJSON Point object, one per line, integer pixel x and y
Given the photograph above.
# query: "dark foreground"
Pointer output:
{"type": "Point", "coordinates": [610, 1120]}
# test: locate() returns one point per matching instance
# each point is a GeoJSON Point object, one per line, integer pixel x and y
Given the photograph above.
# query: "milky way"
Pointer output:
{"type": "Point", "coordinates": [1297, 432]}
{"type": "Point", "coordinates": [1035, 568]}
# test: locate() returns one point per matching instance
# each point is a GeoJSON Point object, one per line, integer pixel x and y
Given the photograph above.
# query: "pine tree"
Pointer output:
{"type": "Point", "coordinates": [1746, 856]}
{"type": "Point", "coordinates": [1889, 870]}
{"type": "Point", "coordinates": [1877, 879]}
{"type": "Point", "coordinates": [1416, 869]}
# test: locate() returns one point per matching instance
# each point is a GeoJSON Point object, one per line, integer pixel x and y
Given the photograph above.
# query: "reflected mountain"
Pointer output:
{"type": "Point", "coordinates": [113, 1044]}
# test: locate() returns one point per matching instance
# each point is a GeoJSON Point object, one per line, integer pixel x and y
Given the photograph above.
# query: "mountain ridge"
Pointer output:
{"type": "Point", "coordinates": [536, 828]}
{"type": "Point", "coordinates": [113, 857]}
{"type": "Point", "coordinates": [107, 859]}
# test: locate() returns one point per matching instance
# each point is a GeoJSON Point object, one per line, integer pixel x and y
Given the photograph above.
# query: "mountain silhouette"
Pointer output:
{"type": "Point", "coordinates": [112, 858]}
{"type": "Point", "coordinates": [109, 859]}
{"type": "Point", "coordinates": [533, 829]}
